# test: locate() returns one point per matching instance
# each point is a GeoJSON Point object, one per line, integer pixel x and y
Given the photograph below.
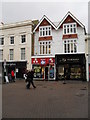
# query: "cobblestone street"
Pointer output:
{"type": "Point", "coordinates": [51, 99]}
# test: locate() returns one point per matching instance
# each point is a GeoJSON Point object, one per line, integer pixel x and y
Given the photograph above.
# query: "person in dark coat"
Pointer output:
{"type": "Point", "coordinates": [30, 79]}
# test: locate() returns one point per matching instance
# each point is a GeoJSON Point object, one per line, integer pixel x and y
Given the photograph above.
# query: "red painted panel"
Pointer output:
{"type": "Point", "coordinates": [69, 36]}
{"type": "Point", "coordinates": [43, 61]}
{"type": "Point", "coordinates": [45, 38]}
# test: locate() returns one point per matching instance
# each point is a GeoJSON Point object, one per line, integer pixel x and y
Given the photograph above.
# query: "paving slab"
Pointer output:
{"type": "Point", "coordinates": [51, 99]}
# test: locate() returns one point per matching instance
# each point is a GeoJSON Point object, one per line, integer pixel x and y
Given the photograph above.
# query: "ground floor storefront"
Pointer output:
{"type": "Point", "coordinates": [89, 72]}
{"type": "Point", "coordinates": [18, 67]}
{"type": "Point", "coordinates": [70, 67]}
{"type": "Point", "coordinates": [44, 68]}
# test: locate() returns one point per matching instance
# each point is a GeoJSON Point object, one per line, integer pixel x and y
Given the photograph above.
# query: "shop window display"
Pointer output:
{"type": "Point", "coordinates": [38, 72]}
{"type": "Point", "coordinates": [75, 72]}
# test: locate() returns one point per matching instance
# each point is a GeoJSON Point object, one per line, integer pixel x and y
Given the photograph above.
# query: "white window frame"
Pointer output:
{"type": "Point", "coordinates": [45, 45]}
{"type": "Point", "coordinates": [1, 55]}
{"type": "Point", "coordinates": [21, 38]}
{"type": "Point", "coordinates": [23, 53]}
{"type": "Point", "coordinates": [11, 55]}
{"type": "Point", "coordinates": [45, 27]}
{"type": "Point", "coordinates": [1, 41]}
{"type": "Point", "coordinates": [71, 41]}
{"type": "Point", "coordinates": [69, 24]}
{"type": "Point", "coordinates": [13, 39]}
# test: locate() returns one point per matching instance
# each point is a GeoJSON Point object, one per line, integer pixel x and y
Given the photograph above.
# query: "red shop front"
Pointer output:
{"type": "Point", "coordinates": [44, 68]}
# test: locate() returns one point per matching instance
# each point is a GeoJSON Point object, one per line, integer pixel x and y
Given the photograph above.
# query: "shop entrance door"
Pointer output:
{"type": "Point", "coordinates": [46, 73]}
{"type": "Point", "coordinates": [67, 72]}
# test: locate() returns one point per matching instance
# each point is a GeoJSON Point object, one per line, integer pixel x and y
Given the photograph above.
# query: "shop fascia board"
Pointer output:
{"type": "Point", "coordinates": [42, 56]}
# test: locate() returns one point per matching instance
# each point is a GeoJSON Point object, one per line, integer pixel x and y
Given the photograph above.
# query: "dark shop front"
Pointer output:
{"type": "Point", "coordinates": [70, 67]}
{"type": "Point", "coordinates": [18, 67]}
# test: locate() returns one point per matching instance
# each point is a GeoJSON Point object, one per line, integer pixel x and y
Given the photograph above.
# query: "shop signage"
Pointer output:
{"type": "Point", "coordinates": [69, 60]}
{"type": "Point", "coordinates": [11, 64]}
{"type": "Point", "coordinates": [43, 61]}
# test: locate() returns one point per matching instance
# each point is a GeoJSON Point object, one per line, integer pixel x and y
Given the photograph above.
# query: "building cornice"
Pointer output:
{"type": "Point", "coordinates": [17, 24]}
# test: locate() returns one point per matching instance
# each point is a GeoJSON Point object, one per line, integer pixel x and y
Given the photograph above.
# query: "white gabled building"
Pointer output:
{"type": "Point", "coordinates": [59, 51]}
{"type": "Point", "coordinates": [16, 47]}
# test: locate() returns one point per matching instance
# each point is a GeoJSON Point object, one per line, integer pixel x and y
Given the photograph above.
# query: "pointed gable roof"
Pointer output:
{"type": "Point", "coordinates": [42, 19]}
{"type": "Point", "coordinates": [69, 14]}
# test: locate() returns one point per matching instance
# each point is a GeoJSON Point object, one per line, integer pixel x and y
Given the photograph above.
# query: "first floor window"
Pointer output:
{"type": "Point", "coordinates": [2, 41]}
{"type": "Point", "coordinates": [12, 40]}
{"type": "Point", "coordinates": [70, 46]}
{"type": "Point", "coordinates": [11, 54]}
{"type": "Point", "coordinates": [23, 38]}
{"type": "Point", "coordinates": [1, 54]}
{"type": "Point", "coordinates": [22, 53]}
{"type": "Point", "coordinates": [45, 48]}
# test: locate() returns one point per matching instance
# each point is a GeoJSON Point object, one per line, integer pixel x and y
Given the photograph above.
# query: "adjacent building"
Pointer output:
{"type": "Point", "coordinates": [16, 47]}
{"type": "Point", "coordinates": [59, 49]}
{"type": "Point", "coordinates": [87, 40]}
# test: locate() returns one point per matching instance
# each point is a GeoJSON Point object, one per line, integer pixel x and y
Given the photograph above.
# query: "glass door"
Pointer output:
{"type": "Point", "coordinates": [51, 72]}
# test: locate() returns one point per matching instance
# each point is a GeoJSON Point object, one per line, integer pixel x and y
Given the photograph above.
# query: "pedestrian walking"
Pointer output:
{"type": "Point", "coordinates": [9, 77]}
{"type": "Point", "coordinates": [30, 79]}
{"type": "Point", "coordinates": [13, 76]}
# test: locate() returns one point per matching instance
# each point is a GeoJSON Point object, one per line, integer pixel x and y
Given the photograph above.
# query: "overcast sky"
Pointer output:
{"type": "Point", "coordinates": [55, 11]}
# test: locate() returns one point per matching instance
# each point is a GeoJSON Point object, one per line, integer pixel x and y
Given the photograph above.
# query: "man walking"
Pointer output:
{"type": "Point", "coordinates": [30, 79]}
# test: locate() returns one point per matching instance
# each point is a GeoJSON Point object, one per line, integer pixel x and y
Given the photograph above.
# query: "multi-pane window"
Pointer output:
{"type": "Point", "coordinates": [45, 48]}
{"type": "Point", "coordinates": [2, 41]}
{"type": "Point", "coordinates": [22, 53]}
{"type": "Point", "coordinates": [23, 38]}
{"type": "Point", "coordinates": [1, 54]}
{"type": "Point", "coordinates": [70, 28]}
{"type": "Point", "coordinates": [70, 46]}
{"type": "Point", "coordinates": [11, 53]}
{"type": "Point", "coordinates": [45, 31]}
{"type": "Point", "coordinates": [12, 40]}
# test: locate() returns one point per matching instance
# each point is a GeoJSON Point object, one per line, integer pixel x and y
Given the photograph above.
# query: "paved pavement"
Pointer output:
{"type": "Point", "coordinates": [51, 99]}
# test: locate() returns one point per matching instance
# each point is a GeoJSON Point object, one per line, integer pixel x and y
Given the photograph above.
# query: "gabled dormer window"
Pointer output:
{"type": "Point", "coordinates": [44, 31]}
{"type": "Point", "coordinates": [70, 28]}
